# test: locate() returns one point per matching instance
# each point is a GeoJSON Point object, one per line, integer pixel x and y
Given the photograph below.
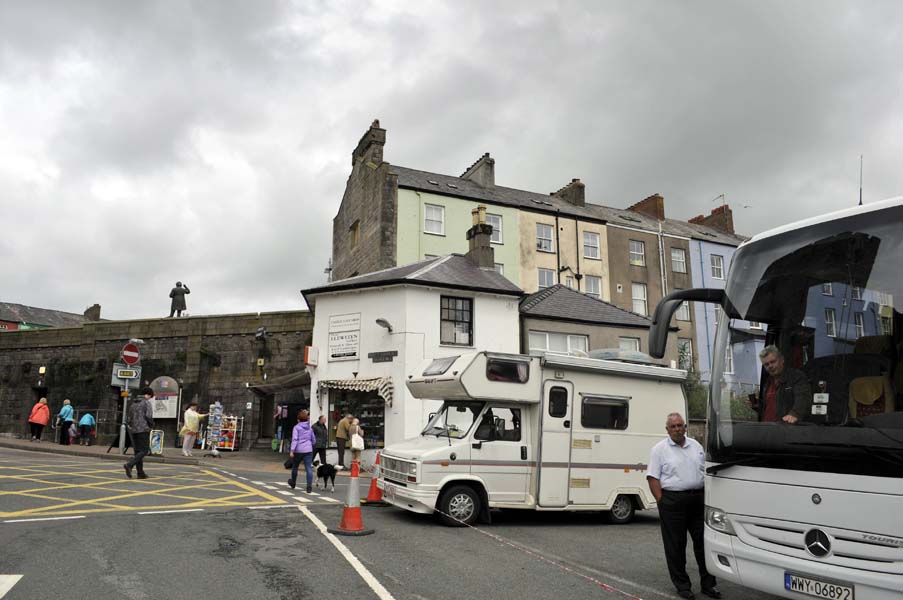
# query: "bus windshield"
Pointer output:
{"type": "Point", "coordinates": [808, 369]}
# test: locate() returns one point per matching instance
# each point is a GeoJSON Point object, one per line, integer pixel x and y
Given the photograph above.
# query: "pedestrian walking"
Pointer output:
{"type": "Point", "coordinates": [302, 449]}
{"type": "Point", "coordinates": [141, 421]}
{"type": "Point", "coordinates": [342, 437]}
{"type": "Point", "coordinates": [356, 434]}
{"type": "Point", "coordinates": [189, 431]}
{"type": "Point", "coordinates": [86, 425]}
{"type": "Point", "coordinates": [64, 421]}
{"type": "Point", "coordinates": [322, 438]}
{"type": "Point", "coordinates": [38, 419]}
{"type": "Point", "coordinates": [676, 476]}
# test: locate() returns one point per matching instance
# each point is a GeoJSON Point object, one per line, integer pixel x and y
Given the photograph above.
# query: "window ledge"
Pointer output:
{"type": "Point", "coordinates": [545, 251]}
{"type": "Point", "coordinates": [431, 233]}
{"type": "Point", "coordinates": [453, 345]}
{"type": "Point", "coordinates": [592, 258]}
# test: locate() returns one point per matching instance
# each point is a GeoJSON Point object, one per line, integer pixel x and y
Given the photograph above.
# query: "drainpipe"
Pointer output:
{"type": "Point", "coordinates": [578, 276]}
{"type": "Point", "coordinates": [705, 312]}
{"type": "Point", "coordinates": [557, 247]}
{"type": "Point", "coordinates": [661, 260]}
{"type": "Point", "coordinates": [419, 231]}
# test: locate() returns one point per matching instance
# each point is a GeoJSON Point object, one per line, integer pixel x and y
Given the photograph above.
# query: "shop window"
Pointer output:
{"type": "Point", "coordinates": [604, 413]}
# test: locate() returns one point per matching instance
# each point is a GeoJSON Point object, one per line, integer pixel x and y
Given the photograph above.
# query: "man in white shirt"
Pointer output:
{"type": "Point", "coordinates": [676, 477]}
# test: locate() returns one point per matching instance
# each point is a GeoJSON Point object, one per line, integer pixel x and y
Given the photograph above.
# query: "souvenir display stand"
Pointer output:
{"type": "Point", "coordinates": [223, 431]}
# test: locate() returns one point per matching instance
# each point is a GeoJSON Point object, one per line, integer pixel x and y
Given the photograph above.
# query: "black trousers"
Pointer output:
{"type": "Point", "coordinates": [64, 433]}
{"type": "Point", "coordinates": [683, 512]}
{"type": "Point", "coordinates": [141, 442]}
{"type": "Point", "coordinates": [340, 445]}
{"type": "Point", "coordinates": [36, 430]}
{"type": "Point", "coordinates": [321, 453]}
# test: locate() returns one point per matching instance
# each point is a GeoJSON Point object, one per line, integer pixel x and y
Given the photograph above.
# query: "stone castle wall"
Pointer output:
{"type": "Point", "coordinates": [213, 356]}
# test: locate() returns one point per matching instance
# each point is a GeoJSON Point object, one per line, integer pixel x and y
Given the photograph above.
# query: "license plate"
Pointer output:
{"type": "Point", "coordinates": [817, 587]}
{"type": "Point", "coordinates": [389, 492]}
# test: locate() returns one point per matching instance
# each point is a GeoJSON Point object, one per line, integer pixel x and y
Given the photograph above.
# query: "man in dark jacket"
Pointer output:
{"type": "Point", "coordinates": [141, 421]}
{"type": "Point", "coordinates": [787, 395]}
{"type": "Point", "coordinates": [322, 439]}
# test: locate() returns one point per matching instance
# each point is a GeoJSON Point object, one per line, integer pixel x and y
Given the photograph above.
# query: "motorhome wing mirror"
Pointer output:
{"type": "Point", "coordinates": [661, 320]}
{"type": "Point", "coordinates": [430, 418]}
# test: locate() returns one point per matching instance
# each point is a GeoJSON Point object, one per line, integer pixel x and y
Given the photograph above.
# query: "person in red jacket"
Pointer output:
{"type": "Point", "coordinates": [39, 418]}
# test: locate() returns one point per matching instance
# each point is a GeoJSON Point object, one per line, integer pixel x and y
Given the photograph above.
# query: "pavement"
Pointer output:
{"type": "Point", "coordinates": [243, 460]}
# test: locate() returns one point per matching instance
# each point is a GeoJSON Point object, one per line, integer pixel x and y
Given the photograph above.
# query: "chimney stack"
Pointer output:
{"type": "Point", "coordinates": [481, 252]}
{"type": "Point", "coordinates": [481, 172]}
{"type": "Point", "coordinates": [92, 313]}
{"type": "Point", "coordinates": [370, 148]}
{"type": "Point", "coordinates": [652, 206]}
{"type": "Point", "coordinates": [721, 218]}
{"type": "Point", "coordinates": [573, 193]}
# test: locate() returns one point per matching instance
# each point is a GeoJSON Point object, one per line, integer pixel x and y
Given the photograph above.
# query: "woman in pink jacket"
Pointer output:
{"type": "Point", "coordinates": [39, 418]}
{"type": "Point", "coordinates": [303, 441]}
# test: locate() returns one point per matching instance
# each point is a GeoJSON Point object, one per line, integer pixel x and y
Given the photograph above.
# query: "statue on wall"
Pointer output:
{"type": "Point", "coordinates": [178, 299]}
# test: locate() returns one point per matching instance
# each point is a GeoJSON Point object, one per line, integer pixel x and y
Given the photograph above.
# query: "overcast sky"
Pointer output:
{"type": "Point", "coordinates": [143, 143]}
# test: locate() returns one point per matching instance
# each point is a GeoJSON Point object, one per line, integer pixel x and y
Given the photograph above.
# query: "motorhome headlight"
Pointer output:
{"type": "Point", "coordinates": [412, 472]}
{"type": "Point", "coordinates": [717, 519]}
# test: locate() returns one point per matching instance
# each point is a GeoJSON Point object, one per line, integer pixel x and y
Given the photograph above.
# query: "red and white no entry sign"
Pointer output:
{"type": "Point", "coordinates": [130, 354]}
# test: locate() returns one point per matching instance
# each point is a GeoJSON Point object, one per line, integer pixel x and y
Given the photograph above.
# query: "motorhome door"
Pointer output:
{"type": "Point", "coordinates": [555, 446]}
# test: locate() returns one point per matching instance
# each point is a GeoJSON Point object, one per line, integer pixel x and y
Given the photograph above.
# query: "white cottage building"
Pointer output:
{"type": "Point", "coordinates": [373, 330]}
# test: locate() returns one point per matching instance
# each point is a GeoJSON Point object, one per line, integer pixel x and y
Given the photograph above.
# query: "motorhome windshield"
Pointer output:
{"type": "Point", "coordinates": [808, 367]}
{"type": "Point", "coordinates": [454, 419]}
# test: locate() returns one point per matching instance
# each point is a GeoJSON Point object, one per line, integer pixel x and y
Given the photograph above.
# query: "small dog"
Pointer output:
{"type": "Point", "coordinates": [326, 472]}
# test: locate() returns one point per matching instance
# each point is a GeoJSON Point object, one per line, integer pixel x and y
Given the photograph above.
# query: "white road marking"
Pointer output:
{"type": "Point", "coordinates": [325, 499]}
{"type": "Point", "coordinates": [7, 582]}
{"type": "Point", "coordinates": [269, 487]}
{"type": "Point", "coordinates": [166, 512]}
{"type": "Point", "coordinates": [302, 499]}
{"type": "Point", "coordinates": [271, 506]}
{"type": "Point", "coordinates": [44, 519]}
{"type": "Point", "coordinates": [281, 483]}
{"type": "Point", "coordinates": [258, 483]}
{"type": "Point", "coordinates": [312, 493]}
{"type": "Point", "coordinates": [284, 493]}
{"type": "Point", "coordinates": [243, 478]}
{"type": "Point", "coordinates": [366, 575]}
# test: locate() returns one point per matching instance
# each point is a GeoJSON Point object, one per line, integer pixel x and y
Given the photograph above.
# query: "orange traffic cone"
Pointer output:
{"type": "Point", "coordinates": [352, 523]}
{"type": "Point", "coordinates": [375, 495]}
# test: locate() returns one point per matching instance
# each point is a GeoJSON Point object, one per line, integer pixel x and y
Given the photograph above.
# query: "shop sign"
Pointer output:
{"type": "Point", "coordinates": [166, 397]}
{"type": "Point", "coordinates": [379, 357]}
{"type": "Point", "coordinates": [344, 336]}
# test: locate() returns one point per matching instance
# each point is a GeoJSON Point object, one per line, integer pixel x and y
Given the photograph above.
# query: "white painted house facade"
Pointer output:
{"type": "Point", "coordinates": [372, 331]}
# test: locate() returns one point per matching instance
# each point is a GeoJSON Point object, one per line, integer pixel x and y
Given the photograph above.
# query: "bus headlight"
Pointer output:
{"type": "Point", "coordinates": [717, 520]}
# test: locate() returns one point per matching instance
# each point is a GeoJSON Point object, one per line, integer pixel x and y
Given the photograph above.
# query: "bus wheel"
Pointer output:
{"type": "Point", "coordinates": [460, 505]}
{"type": "Point", "coordinates": [622, 510]}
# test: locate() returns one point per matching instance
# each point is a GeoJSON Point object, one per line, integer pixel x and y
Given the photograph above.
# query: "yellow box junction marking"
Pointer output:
{"type": "Point", "coordinates": [112, 482]}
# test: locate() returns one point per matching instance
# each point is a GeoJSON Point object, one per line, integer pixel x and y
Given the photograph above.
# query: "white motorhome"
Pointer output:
{"type": "Point", "coordinates": [557, 432]}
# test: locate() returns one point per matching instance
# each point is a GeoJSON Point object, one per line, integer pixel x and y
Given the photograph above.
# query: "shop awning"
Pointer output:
{"type": "Point", "coordinates": [282, 383]}
{"type": "Point", "coordinates": [381, 385]}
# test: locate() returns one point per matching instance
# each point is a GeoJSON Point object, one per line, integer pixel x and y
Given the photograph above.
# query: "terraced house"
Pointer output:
{"type": "Point", "coordinates": [392, 215]}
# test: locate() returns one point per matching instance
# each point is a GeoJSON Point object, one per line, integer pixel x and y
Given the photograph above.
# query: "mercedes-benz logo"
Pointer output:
{"type": "Point", "coordinates": [817, 543]}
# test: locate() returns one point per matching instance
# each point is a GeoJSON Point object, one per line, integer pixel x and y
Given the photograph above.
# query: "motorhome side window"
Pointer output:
{"type": "Point", "coordinates": [511, 371]}
{"type": "Point", "coordinates": [499, 424]}
{"type": "Point", "coordinates": [604, 413]}
{"type": "Point", "coordinates": [558, 402]}
{"type": "Point", "coordinates": [440, 366]}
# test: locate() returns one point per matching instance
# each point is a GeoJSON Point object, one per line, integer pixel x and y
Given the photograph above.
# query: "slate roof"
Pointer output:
{"type": "Point", "coordinates": [19, 313]}
{"type": "Point", "coordinates": [561, 303]}
{"type": "Point", "coordinates": [448, 185]}
{"type": "Point", "coordinates": [452, 271]}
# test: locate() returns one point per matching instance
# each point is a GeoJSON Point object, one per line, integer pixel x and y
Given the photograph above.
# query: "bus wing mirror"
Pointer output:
{"type": "Point", "coordinates": [661, 319]}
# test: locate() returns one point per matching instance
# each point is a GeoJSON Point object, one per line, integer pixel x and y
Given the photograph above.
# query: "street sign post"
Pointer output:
{"type": "Point", "coordinates": [131, 354]}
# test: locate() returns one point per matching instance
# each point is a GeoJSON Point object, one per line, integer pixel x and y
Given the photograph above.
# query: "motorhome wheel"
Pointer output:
{"type": "Point", "coordinates": [460, 506]}
{"type": "Point", "coordinates": [622, 510]}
